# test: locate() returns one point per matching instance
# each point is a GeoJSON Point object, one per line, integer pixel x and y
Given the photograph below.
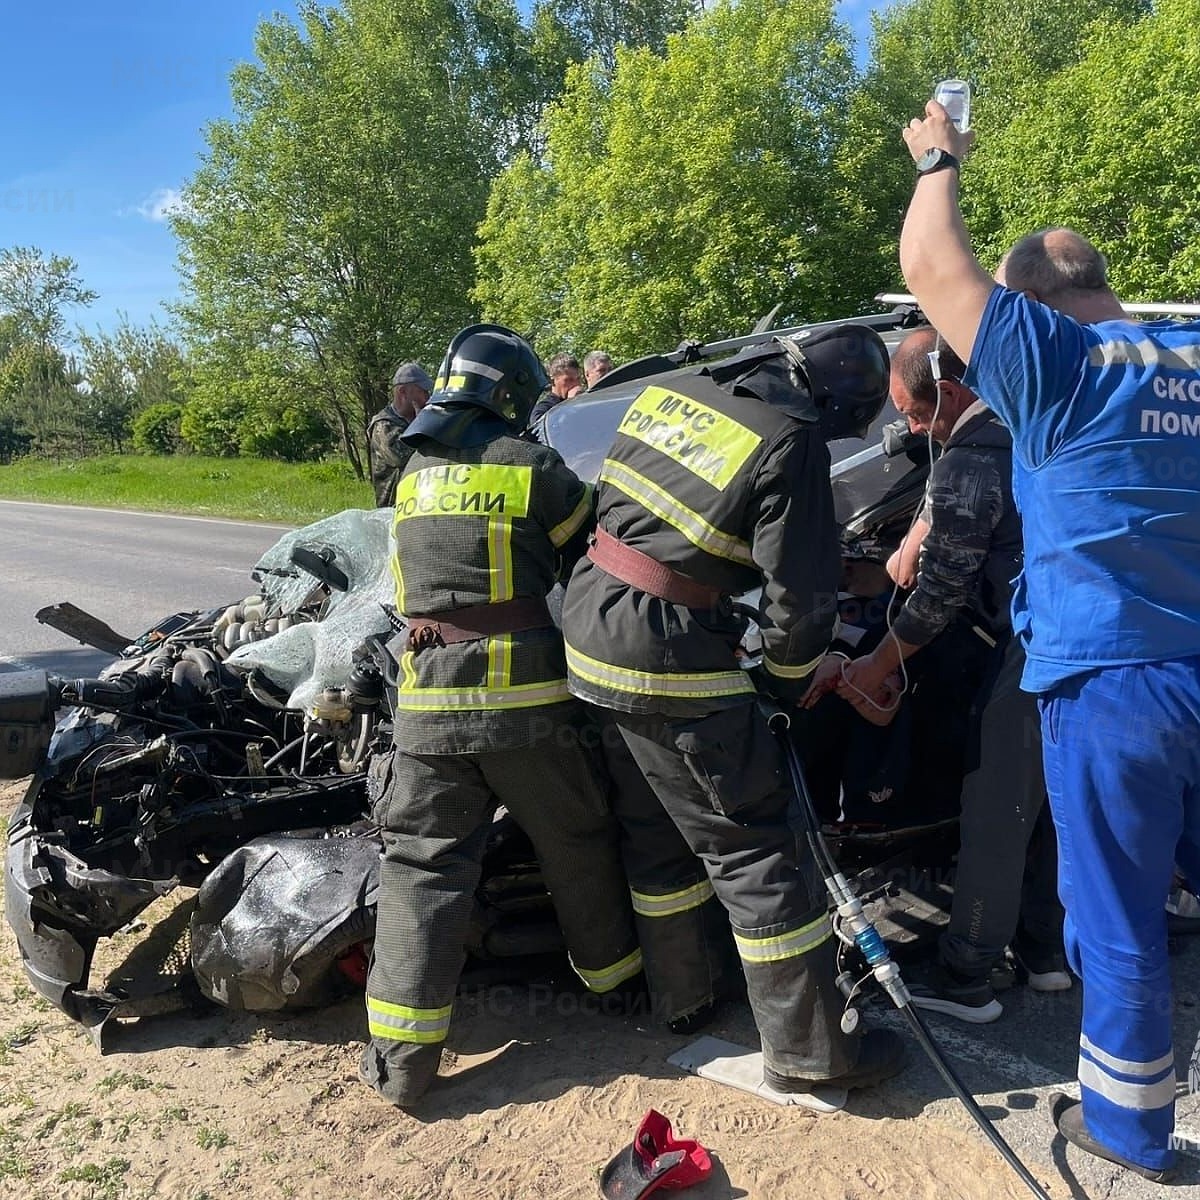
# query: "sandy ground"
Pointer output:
{"type": "Point", "coordinates": [538, 1093]}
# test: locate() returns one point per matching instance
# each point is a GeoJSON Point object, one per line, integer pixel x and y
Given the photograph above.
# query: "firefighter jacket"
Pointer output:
{"type": "Point", "coordinates": [733, 493]}
{"type": "Point", "coordinates": [389, 453]}
{"type": "Point", "coordinates": [481, 525]}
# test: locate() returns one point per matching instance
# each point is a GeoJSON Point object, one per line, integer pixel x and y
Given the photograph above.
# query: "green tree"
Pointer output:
{"type": "Point", "coordinates": [126, 371]}
{"type": "Point", "coordinates": [328, 230]}
{"type": "Point", "coordinates": [35, 293]}
{"type": "Point", "coordinates": [595, 28]}
{"type": "Point", "coordinates": [1113, 150]}
{"type": "Point", "coordinates": [156, 429]}
{"type": "Point", "coordinates": [682, 195]}
{"type": "Point", "coordinates": [1007, 49]}
{"type": "Point", "coordinates": [39, 384]}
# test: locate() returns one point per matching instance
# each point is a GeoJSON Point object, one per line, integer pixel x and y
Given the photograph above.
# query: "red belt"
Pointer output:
{"type": "Point", "coordinates": [477, 621]}
{"type": "Point", "coordinates": [649, 575]}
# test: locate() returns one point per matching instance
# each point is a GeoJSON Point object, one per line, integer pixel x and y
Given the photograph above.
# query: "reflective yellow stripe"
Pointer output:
{"type": "Point", "coordinates": [524, 695]}
{"type": "Point", "coordinates": [649, 683]}
{"type": "Point", "coordinates": [399, 1023]}
{"type": "Point", "coordinates": [464, 490]}
{"type": "Point", "coordinates": [500, 561]}
{"type": "Point", "coordinates": [608, 978]}
{"type": "Point", "coordinates": [408, 671]}
{"type": "Point", "coordinates": [709, 444]}
{"type": "Point", "coordinates": [566, 530]}
{"type": "Point", "coordinates": [394, 563]}
{"type": "Point", "coordinates": [499, 661]}
{"type": "Point", "coordinates": [672, 903]}
{"type": "Point", "coordinates": [667, 508]}
{"type": "Point", "coordinates": [784, 945]}
{"type": "Point", "coordinates": [782, 672]}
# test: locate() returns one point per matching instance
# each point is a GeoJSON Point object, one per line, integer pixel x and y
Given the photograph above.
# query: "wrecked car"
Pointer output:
{"type": "Point", "coordinates": [230, 750]}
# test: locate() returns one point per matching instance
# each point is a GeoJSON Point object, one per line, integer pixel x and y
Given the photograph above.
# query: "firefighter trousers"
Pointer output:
{"type": "Point", "coordinates": [435, 813]}
{"type": "Point", "coordinates": [687, 945]}
{"type": "Point", "coordinates": [722, 781]}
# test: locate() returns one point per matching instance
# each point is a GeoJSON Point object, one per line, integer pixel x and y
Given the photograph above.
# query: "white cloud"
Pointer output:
{"type": "Point", "coordinates": [160, 204]}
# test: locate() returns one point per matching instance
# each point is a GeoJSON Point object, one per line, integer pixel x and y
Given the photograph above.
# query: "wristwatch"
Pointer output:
{"type": "Point", "coordinates": [935, 159]}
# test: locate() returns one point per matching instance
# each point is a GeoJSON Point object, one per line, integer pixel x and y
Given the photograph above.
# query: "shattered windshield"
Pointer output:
{"type": "Point", "coordinates": [307, 656]}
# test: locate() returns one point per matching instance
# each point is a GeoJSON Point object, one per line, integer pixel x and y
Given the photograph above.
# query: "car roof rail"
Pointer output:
{"type": "Point", "coordinates": [1169, 308]}
{"type": "Point", "coordinates": [904, 316]}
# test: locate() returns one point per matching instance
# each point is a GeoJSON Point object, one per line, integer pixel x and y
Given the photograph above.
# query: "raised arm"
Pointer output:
{"type": "Point", "coordinates": [935, 252]}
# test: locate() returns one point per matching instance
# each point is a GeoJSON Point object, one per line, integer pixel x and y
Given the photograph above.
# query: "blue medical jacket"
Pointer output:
{"type": "Point", "coordinates": [1105, 421]}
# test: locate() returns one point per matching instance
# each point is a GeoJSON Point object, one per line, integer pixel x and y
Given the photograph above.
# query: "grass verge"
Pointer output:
{"type": "Point", "coordinates": [248, 489]}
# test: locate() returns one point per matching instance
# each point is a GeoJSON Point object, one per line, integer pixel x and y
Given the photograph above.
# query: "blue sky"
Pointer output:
{"type": "Point", "coordinates": [106, 111]}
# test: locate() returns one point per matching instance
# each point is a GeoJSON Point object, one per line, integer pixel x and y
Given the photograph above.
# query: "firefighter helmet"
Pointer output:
{"type": "Point", "coordinates": [846, 368]}
{"type": "Point", "coordinates": [486, 386]}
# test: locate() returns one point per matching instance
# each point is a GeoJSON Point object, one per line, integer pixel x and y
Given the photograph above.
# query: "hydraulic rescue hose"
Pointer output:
{"type": "Point", "coordinates": [874, 948]}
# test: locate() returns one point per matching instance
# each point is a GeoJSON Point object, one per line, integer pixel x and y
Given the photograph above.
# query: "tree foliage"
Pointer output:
{"type": "Point", "coordinates": [1113, 150]}
{"type": "Point", "coordinates": [595, 28]}
{"type": "Point", "coordinates": [156, 429]}
{"type": "Point", "coordinates": [39, 383]}
{"type": "Point", "coordinates": [328, 230]}
{"type": "Point", "coordinates": [1008, 49]}
{"type": "Point", "coordinates": [681, 195]}
{"type": "Point", "coordinates": [35, 293]}
{"type": "Point", "coordinates": [125, 372]}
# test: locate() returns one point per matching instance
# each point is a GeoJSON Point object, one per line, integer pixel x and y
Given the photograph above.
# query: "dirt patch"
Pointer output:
{"type": "Point", "coordinates": [540, 1091]}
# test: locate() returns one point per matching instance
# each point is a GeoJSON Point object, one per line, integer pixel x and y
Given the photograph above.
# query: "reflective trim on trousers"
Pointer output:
{"type": "Point", "coordinates": [694, 686]}
{"type": "Point", "coordinates": [1133, 1094]}
{"type": "Point", "coordinates": [1125, 1066]}
{"type": "Point", "coordinates": [399, 1023]}
{"type": "Point", "coordinates": [671, 904]}
{"type": "Point", "coordinates": [607, 978]}
{"type": "Point", "coordinates": [784, 945]}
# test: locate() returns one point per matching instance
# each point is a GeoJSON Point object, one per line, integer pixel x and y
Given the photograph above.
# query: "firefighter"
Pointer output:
{"type": "Point", "coordinates": [485, 524]}
{"type": "Point", "coordinates": [718, 483]}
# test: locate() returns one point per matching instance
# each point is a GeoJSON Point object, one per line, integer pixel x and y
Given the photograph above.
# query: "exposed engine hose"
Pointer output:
{"type": "Point", "coordinates": [117, 692]}
{"type": "Point", "coordinates": [205, 664]}
{"type": "Point", "coordinates": [874, 949]}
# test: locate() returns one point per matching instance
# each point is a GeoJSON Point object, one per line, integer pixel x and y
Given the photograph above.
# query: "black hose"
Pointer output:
{"type": "Point", "coordinates": [948, 1073]}
{"type": "Point", "coordinates": [780, 724]}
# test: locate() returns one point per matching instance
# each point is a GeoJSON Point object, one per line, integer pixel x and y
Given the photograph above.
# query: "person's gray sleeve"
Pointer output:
{"type": "Point", "coordinates": [795, 545]}
{"type": "Point", "coordinates": [965, 503]}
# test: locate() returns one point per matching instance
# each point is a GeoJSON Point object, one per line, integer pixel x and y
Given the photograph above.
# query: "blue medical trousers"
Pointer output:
{"type": "Point", "coordinates": [1122, 758]}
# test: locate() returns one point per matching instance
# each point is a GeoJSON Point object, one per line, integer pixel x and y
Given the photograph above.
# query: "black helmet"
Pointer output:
{"type": "Point", "coordinates": [846, 368]}
{"type": "Point", "coordinates": [486, 386]}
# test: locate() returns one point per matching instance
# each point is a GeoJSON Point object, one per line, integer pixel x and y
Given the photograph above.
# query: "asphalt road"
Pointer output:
{"type": "Point", "coordinates": [129, 569]}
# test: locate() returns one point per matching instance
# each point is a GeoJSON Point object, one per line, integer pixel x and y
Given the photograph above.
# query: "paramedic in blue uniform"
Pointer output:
{"type": "Point", "coordinates": [1105, 418]}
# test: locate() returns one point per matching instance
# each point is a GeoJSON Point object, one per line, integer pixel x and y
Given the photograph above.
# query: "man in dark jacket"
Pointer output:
{"type": "Point", "coordinates": [565, 379]}
{"type": "Point", "coordinates": [718, 483]}
{"type": "Point", "coordinates": [969, 558]}
{"type": "Point", "coordinates": [485, 524]}
{"type": "Point", "coordinates": [410, 392]}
